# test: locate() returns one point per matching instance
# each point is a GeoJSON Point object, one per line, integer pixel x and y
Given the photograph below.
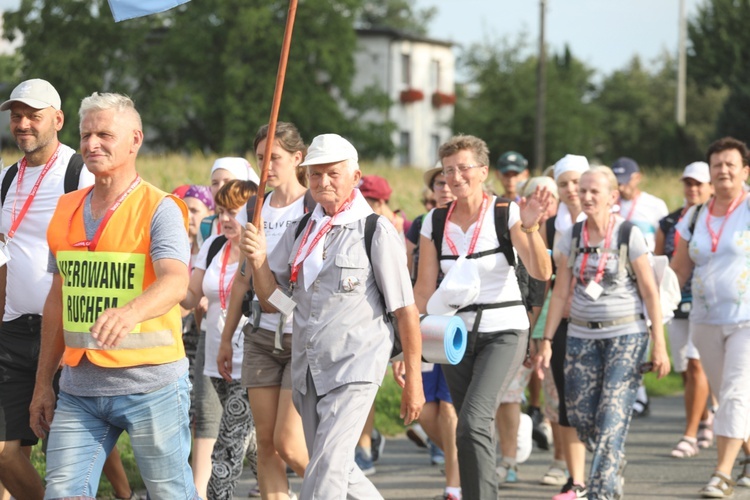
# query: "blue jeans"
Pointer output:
{"type": "Point", "coordinates": [85, 429]}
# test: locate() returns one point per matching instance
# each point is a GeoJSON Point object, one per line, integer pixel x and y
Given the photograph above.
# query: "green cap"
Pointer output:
{"type": "Point", "coordinates": [510, 161]}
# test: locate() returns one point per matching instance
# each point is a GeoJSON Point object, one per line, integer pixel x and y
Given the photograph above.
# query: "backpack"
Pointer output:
{"type": "Point", "coordinates": [502, 212]}
{"type": "Point", "coordinates": [665, 278]}
{"type": "Point", "coordinates": [216, 245]}
{"type": "Point", "coordinates": [70, 184]}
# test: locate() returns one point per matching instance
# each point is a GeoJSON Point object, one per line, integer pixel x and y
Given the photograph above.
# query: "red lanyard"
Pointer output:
{"type": "Point", "coordinates": [715, 237]}
{"type": "Point", "coordinates": [297, 263]}
{"type": "Point", "coordinates": [16, 220]}
{"type": "Point", "coordinates": [632, 207]}
{"type": "Point", "coordinates": [603, 256]}
{"type": "Point", "coordinates": [93, 242]}
{"type": "Point", "coordinates": [477, 228]}
{"type": "Point", "coordinates": [224, 291]}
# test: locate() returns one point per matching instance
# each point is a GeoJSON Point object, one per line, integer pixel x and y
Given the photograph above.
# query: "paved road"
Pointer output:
{"type": "Point", "coordinates": [404, 471]}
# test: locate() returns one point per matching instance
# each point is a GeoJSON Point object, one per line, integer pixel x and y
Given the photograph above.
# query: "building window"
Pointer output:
{"type": "Point", "coordinates": [406, 70]}
{"type": "Point", "coordinates": [435, 74]}
{"type": "Point", "coordinates": [434, 146]}
{"type": "Point", "coordinates": [405, 149]}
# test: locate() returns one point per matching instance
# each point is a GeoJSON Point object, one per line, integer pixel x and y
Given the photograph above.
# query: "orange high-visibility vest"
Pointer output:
{"type": "Point", "coordinates": [113, 274]}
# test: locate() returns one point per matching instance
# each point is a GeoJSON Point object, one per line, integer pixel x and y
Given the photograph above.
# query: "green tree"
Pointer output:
{"type": "Point", "coordinates": [203, 74]}
{"type": "Point", "coordinates": [396, 14]}
{"type": "Point", "coordinates": [638, 115]}
{"type": "Point", "coordinates": [720, 47]}
{"type": "Point", "coordinates": [498, 102]}
{"type": "Point", "coordinates": [68, 43]}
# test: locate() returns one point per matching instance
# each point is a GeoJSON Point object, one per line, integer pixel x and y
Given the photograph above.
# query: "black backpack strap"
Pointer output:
{"type": "Point", "coordinates": [7, 180]}
{"type": "Point", "coordinates": [214, 249]}
{"type": "Point", "coordinates": [370, 224]}
{"type": "Point", "coordinates": [301, 224]}
{"type": "Point", "coordinates": [575, 247]}
{"type": "Point", "coordinates": [73, 173]}
{"type": "Point", "coordinates": [438, 228]}
{"type": "Point", "coordinates": [502, 213]}
{"type": "Point", "coordinates": [694, 219]}
{"type": "Point", "coordinates": [623, 239]}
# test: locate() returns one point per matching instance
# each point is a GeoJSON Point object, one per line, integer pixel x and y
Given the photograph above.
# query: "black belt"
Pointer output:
{"type": "Point", "coordinates": [479, 308]}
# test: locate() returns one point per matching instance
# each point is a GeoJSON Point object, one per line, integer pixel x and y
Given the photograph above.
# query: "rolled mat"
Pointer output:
{"type": "Point", "coordinates": [443, 339]}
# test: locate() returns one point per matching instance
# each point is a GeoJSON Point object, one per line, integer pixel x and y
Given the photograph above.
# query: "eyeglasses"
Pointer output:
{"type": "Point", "coordinates": [462, 169]}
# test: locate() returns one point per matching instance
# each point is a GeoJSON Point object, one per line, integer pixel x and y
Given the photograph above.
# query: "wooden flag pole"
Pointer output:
{"type": "Point", "coordinates": [280, 75]}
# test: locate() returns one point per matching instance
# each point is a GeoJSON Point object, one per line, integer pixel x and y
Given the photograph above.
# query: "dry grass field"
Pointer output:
{"type": "Point", "coordinates": [171, 170]}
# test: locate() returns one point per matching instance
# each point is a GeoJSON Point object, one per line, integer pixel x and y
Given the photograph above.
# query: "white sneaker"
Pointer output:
{"type": "Point", "coordinates": [525, 443]}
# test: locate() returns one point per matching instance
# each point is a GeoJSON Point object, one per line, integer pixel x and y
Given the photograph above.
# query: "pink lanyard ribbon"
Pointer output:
{"type": "Point", "coordinates": [603, 256]}
{"type": "Point", "coordinates": [224, 291]}
{"type": "Point", "coordinates": [16, 220]}
{"type": "Point", "coordinates": [477, 228]}
{"type": "Point", "coordinates": [93, 242]}
{"type": "Point", "coordinates": [715, 237]}
{"type": "Point", "coordinates": [297, 263]}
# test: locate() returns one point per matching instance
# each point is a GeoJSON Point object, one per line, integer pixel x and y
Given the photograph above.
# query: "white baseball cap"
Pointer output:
{"type": "Point", "coordinates": [239, 167]}
{"type": "Point", "coordinates": [37, 93]}
{"type": "Point", "coordinates": [698, 170]}
{"type": "Point", "coordinates": [329, 148]}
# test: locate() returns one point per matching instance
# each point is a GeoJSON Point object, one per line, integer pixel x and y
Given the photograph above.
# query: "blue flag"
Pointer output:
{"type": "Point", "coordinates": [128, 9]}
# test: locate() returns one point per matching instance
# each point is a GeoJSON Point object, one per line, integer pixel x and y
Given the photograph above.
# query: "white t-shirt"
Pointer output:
{"type": "Point", "coordinates": [28, 281]}
{"type": "Point", "coordinates": [275, 222]}
{"type": "Point", "coordinates": [721, 280]}
{"type": "Point", "coordinates": [647, 210]}
{"type": "Point", "coordinates": [497, 279]}
{"type": "Point", "coordinates": [213, 322]}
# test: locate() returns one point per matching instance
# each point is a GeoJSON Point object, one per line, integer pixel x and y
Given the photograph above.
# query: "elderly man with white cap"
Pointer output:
{"type": "Point", "coordinates": [696, 182]}
{"type": "Point", "coordinates": [341, 269]}
{"type": "Point", "coordinates": [30, 190]}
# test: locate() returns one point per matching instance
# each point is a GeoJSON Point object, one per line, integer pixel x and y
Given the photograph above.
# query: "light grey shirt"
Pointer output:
{"type": "Point", "coordinates": [620, 297]}
{"type": "Point", "coordinates": [339, 332]}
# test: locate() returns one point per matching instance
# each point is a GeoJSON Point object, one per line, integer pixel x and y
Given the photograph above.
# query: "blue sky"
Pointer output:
{"type": "Point", "coordinates": [605, 34]}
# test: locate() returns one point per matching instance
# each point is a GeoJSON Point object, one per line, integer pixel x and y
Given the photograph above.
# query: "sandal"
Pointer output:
{"type": "Point", "coordinates": [705, 434]}
{"type": "Point", "coordinates": [719, 486]}
{"type": "Point", "coordinates": [685, 449]}
{"type": "Point", "coordinates": [744, 478]}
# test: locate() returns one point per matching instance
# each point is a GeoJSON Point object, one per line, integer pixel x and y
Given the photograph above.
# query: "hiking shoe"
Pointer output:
{"type": "Point", "coordinates": [719, 486]}
{"type": "Point", "coordinates": [556, 475]}
{"type": "Point", "coordinates": [572, 491]}
{"type": "Point", "coordinates": [507, 473]}
{"type": "Point", "coordinates": [417, 435]}
{"type": "Point", "coordinates": [744, 478]}
{"type": "Point", "coordinates": [378, 445]}
{"type": "Point", "coordinates": [640, 409]}
{"type": "Point", "coordinates": [364, 462]}
{"type": "Point", "coordinates": [538, 431]}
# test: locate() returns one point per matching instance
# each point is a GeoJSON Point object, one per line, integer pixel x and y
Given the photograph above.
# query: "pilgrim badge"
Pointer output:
{"type": "Point", "coordinates": [350, 283]}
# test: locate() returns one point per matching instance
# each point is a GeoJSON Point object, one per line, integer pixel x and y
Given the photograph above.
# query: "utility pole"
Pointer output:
{"type": "Point", "coordinates": [681, 66]}
{"type": "Point", "coordinates": [541, 91]}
